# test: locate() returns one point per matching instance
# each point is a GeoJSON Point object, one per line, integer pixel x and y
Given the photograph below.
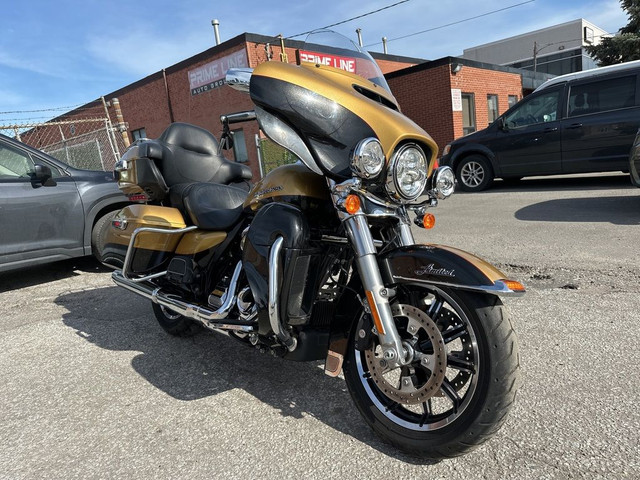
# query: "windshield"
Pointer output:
{"type": "Point", "coordinates": [326, 47]}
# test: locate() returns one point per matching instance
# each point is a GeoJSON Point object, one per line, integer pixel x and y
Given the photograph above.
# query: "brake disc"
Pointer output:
{"type": "Point", "coordinates": [421, 379]}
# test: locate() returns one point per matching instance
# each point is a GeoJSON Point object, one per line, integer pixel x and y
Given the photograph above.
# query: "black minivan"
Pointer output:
{"type": "Point", "coordinates": [576, 123]}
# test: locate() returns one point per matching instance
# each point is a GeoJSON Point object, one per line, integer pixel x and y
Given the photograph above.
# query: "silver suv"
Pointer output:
{"type": "Point", "coordinates": [48, 210]}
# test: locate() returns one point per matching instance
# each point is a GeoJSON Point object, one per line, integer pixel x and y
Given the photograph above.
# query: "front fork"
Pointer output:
{"type": "Point", "coordinates": [377, 294]}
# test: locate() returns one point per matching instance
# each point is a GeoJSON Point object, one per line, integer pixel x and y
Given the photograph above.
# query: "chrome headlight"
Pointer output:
{"type": "Point", "coordinates": [407, 174]}
{"type": "Point", "coordinates": [443, 182]}
{"type": "Point", "coordinates": [368, 158]}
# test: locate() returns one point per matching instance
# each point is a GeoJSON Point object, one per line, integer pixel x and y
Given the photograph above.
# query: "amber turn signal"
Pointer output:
{"type": "Point", "coordinates": [428, 221]}
{"type": "Point", "coordinates": [513, 285]}
{"type": "Point", "coordinates": [352, 204]}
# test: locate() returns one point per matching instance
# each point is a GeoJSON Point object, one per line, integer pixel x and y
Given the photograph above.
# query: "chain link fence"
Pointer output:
{"type": "Point", "coordinates": [272, 155]}
{"type": "Point", "coordinates": [89, 143]}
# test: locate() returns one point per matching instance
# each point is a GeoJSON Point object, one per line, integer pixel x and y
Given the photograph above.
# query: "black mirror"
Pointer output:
{"type": "Point", "coordinates": [504, 126]}
{"type": "Point", "coordinates": [42, 174]}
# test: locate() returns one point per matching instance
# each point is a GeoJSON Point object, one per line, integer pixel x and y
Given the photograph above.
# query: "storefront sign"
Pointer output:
{"type": "Point", "coordinates": [336, 61]}
{"type": "Point", "coordinates": [211, 75]}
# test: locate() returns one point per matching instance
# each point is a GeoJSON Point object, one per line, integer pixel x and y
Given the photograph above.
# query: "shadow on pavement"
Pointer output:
{"type": "Point", "coordinates": [208, 364]}
{"type": "Point", "coordinates": [619, 210]}
{"type": "Point", "coordinates": [40, 274]}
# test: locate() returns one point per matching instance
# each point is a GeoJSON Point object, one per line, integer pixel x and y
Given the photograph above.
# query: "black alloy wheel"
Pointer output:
{"type": "Point", "coordinates": [461, 381]}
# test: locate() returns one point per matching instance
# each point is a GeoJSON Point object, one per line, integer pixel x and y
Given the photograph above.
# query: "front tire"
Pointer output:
{"type": "Point", "coordinates": [439, 412]}
{"type": "Point", "coordinates": [474, 173]}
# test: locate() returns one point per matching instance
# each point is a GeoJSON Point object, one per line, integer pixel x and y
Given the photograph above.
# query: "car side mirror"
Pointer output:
{"type": "Point", "coordinates": [42, 175]}
{"type": "Point", "coordinates": [504, 126]}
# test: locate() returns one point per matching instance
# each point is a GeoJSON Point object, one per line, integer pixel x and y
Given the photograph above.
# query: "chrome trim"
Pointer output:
{"type": "Point", "coordinates": [358, 231]}
{"type": "Point", "coordinates": [357, 165]}
{"type": "Point", "coordinates": [391, 184]}
{"type": "Point", "coordinates": [203, 315]}
{"type": "Point", "coordinates": [238, 117]}
{"type": "Point", "coordinates": [128, 257]}
{"type": "Point", "coordinates": [274, 294]}
{"type": "Point", "coordinates": [432, 184]}
{"type": "Point", "coordinates": [367, 263]}
{"type": "Point", "coordinates": [498, 287]}
{"type": "Point", "coordinates": [406, 235]}
{"type": "Point", "coordinates": [345, 241]}
{"type": "Point", "coordinates": [239, 78]}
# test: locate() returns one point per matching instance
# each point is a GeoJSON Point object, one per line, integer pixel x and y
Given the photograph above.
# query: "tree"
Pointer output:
{"type": "Point", "coordinates": [625, 45]}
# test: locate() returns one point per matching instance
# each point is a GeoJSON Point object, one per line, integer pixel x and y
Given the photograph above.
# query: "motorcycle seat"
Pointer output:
{"type": "Point", "coordinates": [209, 206]}
{"type": "Point", "coordinates": [186, 153]}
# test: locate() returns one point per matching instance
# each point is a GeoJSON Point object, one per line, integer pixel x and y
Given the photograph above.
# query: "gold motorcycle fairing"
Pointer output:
{"type": "Point", "coordinates": [390, 126]}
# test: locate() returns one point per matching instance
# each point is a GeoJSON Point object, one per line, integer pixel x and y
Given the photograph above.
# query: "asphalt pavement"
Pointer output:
{"type": "Point", "coordinates": [91, 387]}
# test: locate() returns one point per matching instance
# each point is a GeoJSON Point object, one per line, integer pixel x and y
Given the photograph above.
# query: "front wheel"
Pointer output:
{"type": "Point", "coordinates": [474, 173]}
{"type": "Point", "coordinates": [460, 383]}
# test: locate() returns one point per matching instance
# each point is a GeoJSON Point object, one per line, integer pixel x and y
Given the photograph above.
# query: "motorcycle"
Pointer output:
{"type": "Point", "coordinates": [317, 260]}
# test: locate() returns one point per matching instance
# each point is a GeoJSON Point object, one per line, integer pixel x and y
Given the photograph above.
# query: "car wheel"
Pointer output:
{"type": "Point", "coordinates": [474, 173]}
{"type": "Point", "coordinates": [99, 235]}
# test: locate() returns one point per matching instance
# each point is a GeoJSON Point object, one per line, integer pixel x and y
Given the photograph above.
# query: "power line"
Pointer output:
{"type": "Point", "coordinates": [353, 18]}
{"type": "Point", "coordinates": [55, 109]}
{"type": "Point", "coordinates": [454, 23]}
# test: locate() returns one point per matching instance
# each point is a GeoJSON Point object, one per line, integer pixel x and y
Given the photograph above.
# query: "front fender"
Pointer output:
{"type": "Point", "coordinates": [444, 266]}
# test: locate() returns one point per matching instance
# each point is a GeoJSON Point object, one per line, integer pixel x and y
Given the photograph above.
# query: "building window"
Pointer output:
{"type": "Point", "coordinates": [138, 134]}
{"type": "Point", "coordinates": [513, 99]}
{"type": "Point", "coordinates": [468, 113]}
{"type": "Point", "coordinates": [239, 146]}
{"type": "Point", "coordinates": [492, 108]}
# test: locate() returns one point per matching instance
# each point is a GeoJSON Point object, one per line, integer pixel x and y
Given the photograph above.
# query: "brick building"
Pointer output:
{"type": "Point", "coordinates": [192, 91]}
{"type": "Point", "coordinates": [452, 97]}
{"type": "Point", "coordinates": [447, 97]}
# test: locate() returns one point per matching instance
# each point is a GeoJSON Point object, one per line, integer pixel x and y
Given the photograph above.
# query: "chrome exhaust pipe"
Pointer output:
{"type": "Point", "coordinates": [207, 317]}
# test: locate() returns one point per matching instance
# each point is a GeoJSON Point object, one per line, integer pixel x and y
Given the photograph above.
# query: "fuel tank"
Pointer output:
{"type": "Point", "coordinates": [294, 184]}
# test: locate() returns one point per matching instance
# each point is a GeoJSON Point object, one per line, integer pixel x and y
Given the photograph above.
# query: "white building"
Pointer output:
{"type": "Point", "coordinates": [556, 50]}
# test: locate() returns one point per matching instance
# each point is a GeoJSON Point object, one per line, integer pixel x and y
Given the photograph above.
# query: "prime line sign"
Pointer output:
{"type": "Point", "coordinates": [212, 75]}
{"type": "Point", "coordinates": [336, 61]}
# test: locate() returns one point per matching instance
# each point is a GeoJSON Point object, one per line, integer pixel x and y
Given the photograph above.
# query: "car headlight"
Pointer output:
{"type": "Point", "coordinates": [368, 158]}
{"type": "Point", "coordinates": [407, 175]}
{"type": "Point", "coordinates": [443, 182]}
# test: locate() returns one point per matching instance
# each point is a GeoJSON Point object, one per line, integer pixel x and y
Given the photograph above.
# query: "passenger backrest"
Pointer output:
{"type": "Point", "coordinates": [186, 153]}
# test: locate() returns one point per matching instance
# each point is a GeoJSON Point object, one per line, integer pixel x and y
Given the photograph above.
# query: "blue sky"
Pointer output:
{"type": "Point", "coordinates": [55, 54]}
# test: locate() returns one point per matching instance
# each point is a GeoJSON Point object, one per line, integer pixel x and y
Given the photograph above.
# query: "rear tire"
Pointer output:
{"type": "Point", "coordinates": [474, 173]}
{"type": "Point", "coordinates": [472, 400]}
{"type": "Point", "coordinates": [173, 323]}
